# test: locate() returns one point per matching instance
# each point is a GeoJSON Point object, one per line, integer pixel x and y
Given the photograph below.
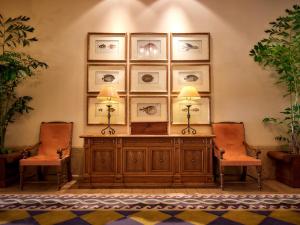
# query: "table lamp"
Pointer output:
{"type": "Point", "coordinates": [188, 94]}
{"type": "Point", "coordinates": [108, 95]}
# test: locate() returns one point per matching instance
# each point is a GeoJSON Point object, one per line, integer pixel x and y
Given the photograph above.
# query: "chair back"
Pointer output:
{"type": "Point", "coordinates": [230, 136]}
{"type": "Point", "coordinates": [55, 135]}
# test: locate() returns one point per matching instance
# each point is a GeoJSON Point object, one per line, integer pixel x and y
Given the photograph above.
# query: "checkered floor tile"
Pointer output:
{"type": "Point", "coordinates": [150, 217]}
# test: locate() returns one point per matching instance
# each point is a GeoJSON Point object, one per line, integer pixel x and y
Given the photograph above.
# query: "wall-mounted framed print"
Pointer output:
{"type": "Point", "coordinates": [148, 109]}
{"type": "Point", "coordinates": [106, 47]}
{"type": "Point", "coordinates": [190, 46]}
{"type": "Point", "coordinates": [149, 46]}
{"type": "Point", "coordinates": [200, 111]}
{"type": "Point", "coordinates": [97, 111]}
{"type": "Point", "coordinates": [197, 75]}
{"type": "Point", "coordinates": [145, 78]}
{"type": "Point", "coordinates": [106, 74]}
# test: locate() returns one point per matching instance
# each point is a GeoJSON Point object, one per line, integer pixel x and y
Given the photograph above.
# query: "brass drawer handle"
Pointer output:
{"type": "Point", "coordinates": [193, 160]}
{"type": "Point", "coordinates": [161, 160]}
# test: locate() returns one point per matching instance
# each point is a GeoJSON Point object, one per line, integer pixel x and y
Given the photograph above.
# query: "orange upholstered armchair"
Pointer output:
{"type": "Point", "coordinates": [230, 148]}
{"type": "Point", "coordinates": [53, 149]}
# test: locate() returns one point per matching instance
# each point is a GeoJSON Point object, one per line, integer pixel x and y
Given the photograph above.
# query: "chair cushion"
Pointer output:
{"type": "Point", "coordinates": [41, 160]}
{"type": "Point", "coordinates": [239, 160]}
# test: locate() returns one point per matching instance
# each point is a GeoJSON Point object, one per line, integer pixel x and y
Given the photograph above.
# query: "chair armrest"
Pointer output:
{"type": "Point", "coordinates": [219, 152]}
{"type": "Point", "coordinates": [26, 152]}
{"type": "Point", "coordinates": [60, 151]}
{"type": "Point", "coordinates": [256, 151]}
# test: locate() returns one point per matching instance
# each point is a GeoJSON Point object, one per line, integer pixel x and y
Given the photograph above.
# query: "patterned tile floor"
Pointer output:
{"type": "Point", "coordinates": [97, 217]}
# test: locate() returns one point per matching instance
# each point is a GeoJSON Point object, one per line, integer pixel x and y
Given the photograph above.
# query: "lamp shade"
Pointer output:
{"type": "Point", "coordinates": [189, 93]}
{"type": "Point", "coordinates": [108, 94]}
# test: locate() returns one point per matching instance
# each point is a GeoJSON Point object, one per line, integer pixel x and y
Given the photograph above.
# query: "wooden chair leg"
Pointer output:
{"type": "Point", "coordinates": [21, 168]}
{"type": "Point", "coordinates": [222, 177]}
{"type": "Point", "coordinates": [244, 173]}
{"type": "Point", "coordinates": [59, 175]}
{"type": "Point", "coordinates": [40, 173]}
{"type": "Point", "coordinates": [69, 172]}
{"type": "Point", "coordinates": [258, 170]}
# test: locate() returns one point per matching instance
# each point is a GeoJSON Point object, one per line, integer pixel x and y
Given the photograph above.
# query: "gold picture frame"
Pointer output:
{"type": "Point", "coordinates": [99, 75]}
{"type": "Point", "coordinates": [97, 111]}
{"type": "Point", "coordinates": [197, 75]}
{"type": "Point", "coordinates": [149, 47]}
{"type": "Point", "coordinates": [148, 78]}
{"type": "Point", "coordinates": [107, 47]}
{"type": "Point", "coordinates": [190, 47]}
{"type": "Point", "coordinates": [200, 111]}
{"type": "Point", "coordinates": [148, 108]}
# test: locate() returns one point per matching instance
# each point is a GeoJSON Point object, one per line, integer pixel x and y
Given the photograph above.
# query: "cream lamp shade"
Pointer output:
{"type": "Point", "coordinates": [188, 93]}
{"type": "Point", "coordinates": [108, 94]}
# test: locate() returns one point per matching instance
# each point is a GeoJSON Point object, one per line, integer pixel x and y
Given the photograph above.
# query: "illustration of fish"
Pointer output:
{"type": "Point", "coordinates": [102, 46]}
{"type": "Point", "coordinates": [111, 110]}
{"type": "Point", "coordinates": [188, 46]}
{"type": "Point", "coordinates": [108, 78]}
{"type": "Point", "coordinates": [147, 78]}
{"type": "Point", "coordinates": [111, 46]}
{"type": "Point", "coordinates": [191, 110]}
{"type": "Point", "coordinates": [150, 110]}
{"type": "Point", "coordinates": [191, 78]}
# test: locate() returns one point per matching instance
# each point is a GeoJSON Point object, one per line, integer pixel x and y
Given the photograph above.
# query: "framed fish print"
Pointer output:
{"type": "Point", "coordinates": [148, 78]}
{"type": "Point", "coordinates": [104, 74]}
{"type": "Point", "coordinates": [148, 109]}
{"type": "Point", "coordinates": [200, 111]}
{"type": "Point", "coordinates": [197, 75]}
{"type": "Point", "coordinates": [148, 47]}
{"type": "Point", "coordinates": [106, 47]}
{"type": "Point", "coordinates": [190, 46]}
{"type": "Point", "coordinates": [97, 111]}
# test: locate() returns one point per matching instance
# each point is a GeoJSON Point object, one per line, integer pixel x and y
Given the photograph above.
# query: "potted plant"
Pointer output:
{"type": "Point", "coordinates": [15, 67]}
{"type": "Point", "coordinates": [280, 51]}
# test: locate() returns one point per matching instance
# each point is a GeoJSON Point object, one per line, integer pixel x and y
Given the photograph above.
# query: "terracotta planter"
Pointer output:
{"type": "Point", "coordinates": [287, 167]}
{"type": "Point", "coordinates": [9, 168]}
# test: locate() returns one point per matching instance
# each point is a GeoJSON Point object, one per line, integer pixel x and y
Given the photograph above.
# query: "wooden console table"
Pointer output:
{"type": "Point", "coordinates": [147, 161]}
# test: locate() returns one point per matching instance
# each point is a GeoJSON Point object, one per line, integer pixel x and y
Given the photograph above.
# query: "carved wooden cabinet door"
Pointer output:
{"type": "Point", "coordinates": [160, 160]}
{"type": "Point", "coordinates": [134, 160]}
{"type": "Point", "coordinates": [192, 159]}
{"type": "Point", "coordinates": [103, 160]}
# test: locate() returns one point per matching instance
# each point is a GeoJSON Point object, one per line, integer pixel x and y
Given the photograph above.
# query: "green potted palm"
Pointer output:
{"type": "Point", "coordinates": [280, 52]}
{"type": "Point", "coordinates": [15, 67]}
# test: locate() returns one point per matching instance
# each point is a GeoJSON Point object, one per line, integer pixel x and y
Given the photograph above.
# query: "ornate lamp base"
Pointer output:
{"type": "Point", "coordinates": [108, 127]}
{"type": "Point", "coordinates": [188, 129]}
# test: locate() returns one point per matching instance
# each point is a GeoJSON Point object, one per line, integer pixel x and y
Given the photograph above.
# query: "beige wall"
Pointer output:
{"type": "Point", "coordinates": [241, 90]}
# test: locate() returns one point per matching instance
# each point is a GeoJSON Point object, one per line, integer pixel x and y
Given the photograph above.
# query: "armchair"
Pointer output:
{"type": "Point", "coordinates": [230, 148]}
{"type": "Point", "coordinates": [53, 149]}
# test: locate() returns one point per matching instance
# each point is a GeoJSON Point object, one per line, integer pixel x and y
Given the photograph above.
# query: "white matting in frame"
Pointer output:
{"type": "Point", "coordinates": [149, 78]}
{"type": "Point", "coordinates": [197, 75]}
{"type": "Point", "coordinates": [200, 111]}
{"type": "Point", "coordinates": [149, 109]}
{"type": "Point", "coordinates": [148, 46]}
{"type": "Point", "coordinates": [99, 75]}
{"type": "Point", "coordinates": [190, 46]}
{"type": "Point", "coordinates": [97, 111]}
{"type": "Point", "coordinates": [106, 46]}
